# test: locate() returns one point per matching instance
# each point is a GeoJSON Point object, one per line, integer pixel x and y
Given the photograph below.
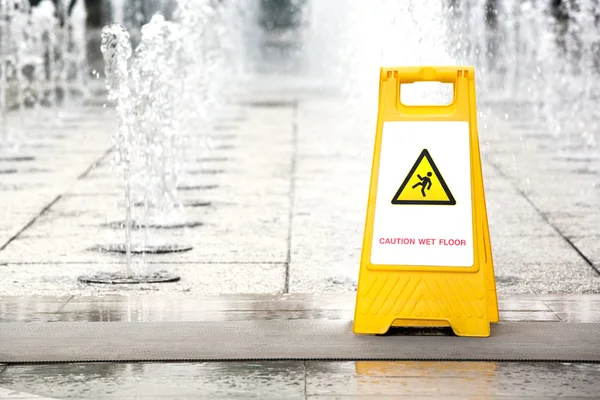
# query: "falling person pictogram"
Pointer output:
{"type": "Point", "coordinates": [425, 183]}
{"type": "Point", "coordinates": [424, 175]}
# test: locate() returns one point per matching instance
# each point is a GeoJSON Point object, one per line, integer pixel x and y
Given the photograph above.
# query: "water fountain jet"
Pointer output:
{"type": "Point", "coordinates": [116, 50]}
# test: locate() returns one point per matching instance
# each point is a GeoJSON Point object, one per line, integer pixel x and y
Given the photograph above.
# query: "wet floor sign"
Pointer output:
{"type": "Point", "coordinates": [426, 256]}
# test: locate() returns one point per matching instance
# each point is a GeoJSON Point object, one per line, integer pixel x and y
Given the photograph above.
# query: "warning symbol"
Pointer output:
{"type": "Point", "coordinates": [424, 184]}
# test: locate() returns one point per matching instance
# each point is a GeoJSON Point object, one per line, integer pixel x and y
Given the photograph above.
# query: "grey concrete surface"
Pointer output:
{"type": "Point", "coordinates": [305, 380]}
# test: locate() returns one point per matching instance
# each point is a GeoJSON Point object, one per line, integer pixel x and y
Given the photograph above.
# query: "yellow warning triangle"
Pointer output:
{"type": "Point", "coordinates": [424, 184]}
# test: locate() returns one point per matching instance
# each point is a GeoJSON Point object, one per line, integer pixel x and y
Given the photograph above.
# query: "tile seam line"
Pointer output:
{"type": "Point", "coordinates": [95, 163]}
{"type": "Point", "coordinates": [550, 308]}
{"type": "Point", "coordinates": [31, 222]}
{"type": "Point", "coordinates": [51, 319]}
{"type": "Point", "coordinates": [537, 295]}
{"type": "Point", "coordinates": [292, 195]}
{"type": "Point", "coordinates": [545, 218]}
{"type": "Point", "coordinates": [305, 379]}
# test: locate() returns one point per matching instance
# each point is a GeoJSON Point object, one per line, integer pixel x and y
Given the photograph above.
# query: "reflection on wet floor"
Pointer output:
{"type": "Point", "coordinates": [299, 380]}
{"type": "Point", "coordinates": [333, 306]}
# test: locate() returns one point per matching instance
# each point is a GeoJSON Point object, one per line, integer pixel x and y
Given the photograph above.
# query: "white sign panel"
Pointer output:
{"type": "Point", "coordinates": [423, 211]}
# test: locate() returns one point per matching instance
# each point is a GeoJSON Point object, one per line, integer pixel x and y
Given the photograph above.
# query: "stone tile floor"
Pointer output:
{"type": "Point", "coordinates": [123, 308]}
{"type": "Point", "coordinates": [302, 380]}
{"type": "Point", "coordinates": [278, 197]}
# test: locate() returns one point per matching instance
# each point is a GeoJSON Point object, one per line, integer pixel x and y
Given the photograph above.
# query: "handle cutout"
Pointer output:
{"type": "Point", "coordinates": [428, 93]}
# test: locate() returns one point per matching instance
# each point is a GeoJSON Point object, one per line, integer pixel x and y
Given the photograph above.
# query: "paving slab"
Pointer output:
{"type": "Point", "coordinates": [252, 228]}
{"type": "Point", "coordinates": [13, 394]}
{"type": "Point", "coordinates": [239, 232]}
{"type": "Point", "coordinates": [574, 308]}
{"type": "Point", "coordinates": [465, 380]}
{"type": "Point", "coordinates": [56, 279]}
{"type": "Point", "coordinates": [550, 277]}
{"type": "Point", "coordinates": [312, 380]}
{"type": "Point", "coordinates": [167, 307]}
{"type": "Point", "coordinates": [30, 309]}
{"type": "Point", "coordinates": [264, 380]}
{"type": "Point", "coordinates": [242, 307]}
{"type": "Point", "coordinates": [554, 172]}
{"type": "Point", "coordinates": [41, 173]}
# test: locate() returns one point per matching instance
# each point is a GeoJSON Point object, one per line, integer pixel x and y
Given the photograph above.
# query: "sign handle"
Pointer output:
{"type": "Point", "coordinates": [392, 78]}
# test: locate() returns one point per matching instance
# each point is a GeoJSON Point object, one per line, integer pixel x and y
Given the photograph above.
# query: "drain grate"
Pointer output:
{"type": "Point", "coordinates": [17, 158]}
{"type": "Point", "coordinates": [271, 103]}
{"type": "Point", "coordinates": [139, 249]}
{"type": "Point", "coordinates": [223, 136]}
{"type": "Point", "coordinates": [231, 119]}
{"type": "Point", "coordinates": [205, 172]}
{"type": "Point", "coordinates": [119, 279]}
{"type": "Point", "coordinates": [197, 187]}
{"type": "Point", "coordinates": [212, 159]}
{"type": "Point", "coordinates": [226, 128]}
{"type": "Point", "coordinates": [223, 147]}
{"type": "Point", "coordinates": [155, 225]}
{"type": "Point", "coordinates": [197, 204]}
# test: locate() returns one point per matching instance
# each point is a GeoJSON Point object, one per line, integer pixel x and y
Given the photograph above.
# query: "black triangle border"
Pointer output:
{"type": "Point", "coordinates": [450, 202]}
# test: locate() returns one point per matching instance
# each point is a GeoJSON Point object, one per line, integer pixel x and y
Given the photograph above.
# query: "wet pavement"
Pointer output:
{"type": "Point", "coordinates": [287, 379]}
{"type": "Point", "coordinates": [304, 380]}
{"type": "Point", "coordinates": [573, 308]}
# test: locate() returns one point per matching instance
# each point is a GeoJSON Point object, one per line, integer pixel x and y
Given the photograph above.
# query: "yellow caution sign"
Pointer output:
{"type": "Point", "coordinates": [426, 256]}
